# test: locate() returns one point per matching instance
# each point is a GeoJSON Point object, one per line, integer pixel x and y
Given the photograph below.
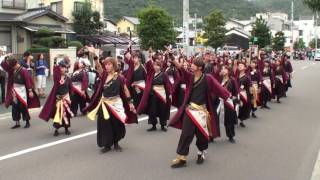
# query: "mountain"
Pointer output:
{"type": "Point", "coordinates": [239, 9]}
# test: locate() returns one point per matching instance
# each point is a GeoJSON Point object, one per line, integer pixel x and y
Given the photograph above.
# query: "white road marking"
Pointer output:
{"type": "Point", "coordinates": [304, 67]}
{"type": "Point", "coordinates": [313, 63]}
{"type": "Point", "coordinates": [316, 169]}
{"type": "Point", "coordinates": [36, 148]}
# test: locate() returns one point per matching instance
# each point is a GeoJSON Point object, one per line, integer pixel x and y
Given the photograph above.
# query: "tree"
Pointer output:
{"type": "Point", "coordinates": [314, 5]}
{"type": "Point", "coordinates": [299, 45]}
{"type": "Point", "coordinates": [86, 21]}
{"type": "Point", "coordinates": [312, 44]}
{"type": "Point", "coordinates": [278, 41]}
{"type": "Point", "coordinates": [45, 37]}
{"type": "Point", "coordinates": [214, 28]}
{"type": "Point", "coordinates": [156, 28]}
{"type": "Point", "coordinates": [261, 33]}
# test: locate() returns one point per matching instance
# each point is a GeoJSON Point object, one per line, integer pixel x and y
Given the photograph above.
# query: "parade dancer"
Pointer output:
{"type": "Point", "coordinates": [111, 104]}
{"type": "Point", "coordinates": [57, 106]}
{"type": "Point", "coordinates": [80, 84]}
{"type": "Point", "coordinates": [195, 116]}
{"type": "Point", "coordinates": [267, 84]}
{"type": "Point", "coordinates": [289, 70]}
{"type": "Point", "coordinates": [245, 95]}
{"type": "Point", "coordinates": [20, 91]}
{"type": "Point", "coordinates": [136, 77]}
{"type": "Point", "coordinates": [156, 99]}
{"type": "Point", "coordinates": [229, 114]}
{"type": "Point", "coordinates": [256, 78]}
{"type": "Point", "coordinates": [280, 80]}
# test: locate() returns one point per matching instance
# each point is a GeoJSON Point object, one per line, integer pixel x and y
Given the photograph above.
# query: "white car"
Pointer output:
{"type": "Point", "coordinates": [317, 55]}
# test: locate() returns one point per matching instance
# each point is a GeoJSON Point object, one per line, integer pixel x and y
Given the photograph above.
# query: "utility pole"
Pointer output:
{"type": "Point", "coordinates": [316, 31]}
{"type": "Point", "coordinates": [292, 17]}
{"type": "Point", "coordinates": [186, 26]}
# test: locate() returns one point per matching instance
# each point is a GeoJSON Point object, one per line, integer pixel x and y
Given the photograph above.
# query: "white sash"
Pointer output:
{"type": "Point", "coordinates": [160, 92]}
{"type": "Point", "coordinates": [171, 78]}
{"type": "Point", "coordinates": [20, 92]}
{"type": "Point", "coordinates": [267, 84]}
{"type": "Point", "coordinates": [184, 87]}
{"type": "Point", "coordinates": [199, 118]}
{"type": "Point", "coordinates": [77, 87]}
{"type": "Point", "coordinates": [244, 96]}
{"type": "Point", "coordinates": [139, 86]}
{"type": "Point", "coordinates": [116, 107]}
{"type": "Point", "coordinates": [280, 78]}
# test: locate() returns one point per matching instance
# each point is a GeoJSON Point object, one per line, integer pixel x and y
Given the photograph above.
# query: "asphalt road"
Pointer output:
{"type": "Point", "coordinates": [282, 144]}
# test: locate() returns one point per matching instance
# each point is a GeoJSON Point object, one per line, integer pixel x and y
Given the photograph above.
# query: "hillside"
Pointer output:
{"type": "Point", "coordinates": [239, 9]}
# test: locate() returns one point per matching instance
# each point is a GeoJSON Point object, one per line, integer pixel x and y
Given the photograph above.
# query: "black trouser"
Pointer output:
{"type": "Point", "coordinates": [110, 131]}
{"type": "Point", "coordinates": [64, 124]}
{"type": "Point", "coordinates": [189, 130]}
{"type": "Point", "coordinates": [76, 101]}
{"type": "Point", "coordinates": [230, 119]}
{"type": "Point", "coordinates": [18, 110]}
{"type": "Point", "coordinates": [3, 90]}
{"type": "Point", "coordinates": [157, 109]}
{"type": "Point", "coordinates": [266, 96]}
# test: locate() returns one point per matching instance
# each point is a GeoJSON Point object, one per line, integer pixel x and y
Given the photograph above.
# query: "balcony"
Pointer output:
{"type": "Point", "coordinates": [14, 4]}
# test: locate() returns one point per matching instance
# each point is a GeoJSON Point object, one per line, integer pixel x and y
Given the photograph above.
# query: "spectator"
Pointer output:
{"type": "Point", "coordinates": [2, 77]}
{"type": "Point", "coordinates": [26, 62]}
{"type": "Point", "coordinates": [41, 66]}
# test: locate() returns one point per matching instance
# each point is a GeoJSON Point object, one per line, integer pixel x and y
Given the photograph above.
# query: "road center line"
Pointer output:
{"type": "Point", "coordinates": [36, 148]}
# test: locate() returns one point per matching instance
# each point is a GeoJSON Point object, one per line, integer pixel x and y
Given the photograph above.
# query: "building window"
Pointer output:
{"type": "Point", "coordinates": [300, 32]}
{"type": "Point", "coordinates": [57, 7]}
{"type": "Point", "coordinates": [78, 6]}
{"type": "Point", "coordinates": [14, 4]}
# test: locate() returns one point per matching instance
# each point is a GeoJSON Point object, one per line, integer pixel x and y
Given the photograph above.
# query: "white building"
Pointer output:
{"type": "Point", "coordinates": [109, 25]}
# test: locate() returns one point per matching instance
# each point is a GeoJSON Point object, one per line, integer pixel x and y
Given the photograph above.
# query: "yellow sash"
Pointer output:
{"type": "Point", "coordinates": [58, 117]}
{"type": "Point", "coordinates": [93, 114]}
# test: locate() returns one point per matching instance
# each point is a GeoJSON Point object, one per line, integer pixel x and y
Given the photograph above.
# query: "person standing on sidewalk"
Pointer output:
{"type": "Point", "coordinates": [41, 66]}
{"type": "Point", "coordinates": [2, 77]}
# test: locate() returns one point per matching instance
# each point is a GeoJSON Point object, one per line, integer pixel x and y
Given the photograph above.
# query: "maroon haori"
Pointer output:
{"type": "Point", "coordinates": [146, 93]}
{"type": "Point", "coordinates": [131, 117]}
{"type": "Point", "coordinates": [49, 108]}
{"type": "Point", "coordinates": [32, 102]}
{"type": "Point", "coordinates": [214, 89]}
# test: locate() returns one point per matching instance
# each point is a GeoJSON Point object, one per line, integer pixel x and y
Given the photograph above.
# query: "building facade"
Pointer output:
{"type": "Point", "coordinates": [66, 7]}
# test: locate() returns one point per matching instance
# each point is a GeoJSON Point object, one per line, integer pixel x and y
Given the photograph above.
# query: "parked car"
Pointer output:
{"type": "Point", "coordinates": [317, 55]}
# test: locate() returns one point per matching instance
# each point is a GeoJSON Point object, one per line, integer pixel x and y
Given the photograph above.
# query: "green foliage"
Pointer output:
{"type": "Point", "coordinates": [239, 9]}
{"type": "Point", "coordinates": [52, 42]}
{"type": "Point", "coordinates": [278, 41]}
{"type": "Point", "coordinates": [38, 50]}
{"type": "Point", "coordinates": [48, 39]}
{"type": "Point", "coordinates": [156, 28]}
{"type": "Point", "coordinates": [299, 45]}
{"type": "Point", "coordinates": [312, 43]}
{"type": "Point", "coordinates": [314, 5]}
{"type": "Point", "coordinates": [262, 32]}
{"type": "Point", "coordinates": [86, 21]}
{"type": "Point", "coordinates": [77, 44]}
{"type": "Point", "coordinates": [214, 29]}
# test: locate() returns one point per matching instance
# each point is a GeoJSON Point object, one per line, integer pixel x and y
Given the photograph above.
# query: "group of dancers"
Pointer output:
{"type": "Point", "coordinates": [206, 89]}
